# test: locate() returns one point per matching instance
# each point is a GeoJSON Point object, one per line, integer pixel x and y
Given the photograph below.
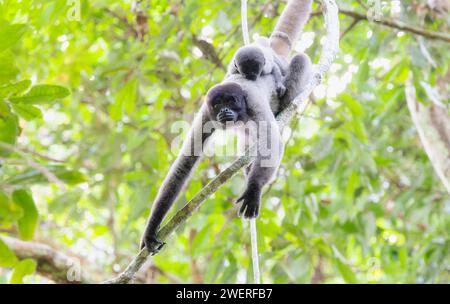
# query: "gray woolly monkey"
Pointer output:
{"type": "Point", "coordinates": [236, 101]}
{"type": "Point", "coordinates": [257, 59]}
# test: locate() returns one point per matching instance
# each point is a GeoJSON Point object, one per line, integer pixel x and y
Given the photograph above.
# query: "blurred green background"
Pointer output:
{"type": "Point", "coordinates": [89, 91]}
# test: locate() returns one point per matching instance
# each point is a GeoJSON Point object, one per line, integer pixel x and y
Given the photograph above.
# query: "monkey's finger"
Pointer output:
{"type": "Point", "coordinates": [242, 209]}
{"type": "Point", "coordinates": [252, 212]}
{"type": "Point", "coordinates": [160, 245]}
{"type": "Point", "coordinates": [241, 198]}
{"type": "Point", "coordinates": [248, 213]}
{"type": "Point", "coordinates": [256, 212]}
{"type": "Point", "coordinates": [157, 248]}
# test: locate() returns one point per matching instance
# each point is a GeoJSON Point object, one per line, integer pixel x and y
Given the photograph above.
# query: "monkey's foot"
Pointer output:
{"type": "Point", "coordinates": [152, 244]}
{"type": "Point", "coordinates": [251, 199]}
{"type": "Point", "coordinates": [281, 90]}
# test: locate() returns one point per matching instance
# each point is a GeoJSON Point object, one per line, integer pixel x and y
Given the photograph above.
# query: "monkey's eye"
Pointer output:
{"type": "Point", "coordinates": [235, 100]}
{"type": "Point", "coordinates": [216, 106]}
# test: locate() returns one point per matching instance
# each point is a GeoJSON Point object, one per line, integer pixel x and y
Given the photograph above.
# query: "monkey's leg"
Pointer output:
{"type": "Point", "coordinates": [299, 74]}
{"type": "Point", "coordinates": [279, 86]}
{"type": "Point", "coordinates": [282, 64]}
{"type": "Point", "coordinates": [175, 180]}
{"type": "Point", "coordinates": [262, 170]}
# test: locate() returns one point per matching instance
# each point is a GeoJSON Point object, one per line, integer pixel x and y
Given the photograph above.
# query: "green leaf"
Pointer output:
{"type": "Point", "coordinates": [8, 70]}
{"type": "Point", "coordinates": [343, 267]}
{"type": "Point", "coordinates": [27, 111]}
{"type": "Point", "coordinates": [7, 257]}
{"type": "Point", "coordinates": [4, 109]}
{"type": "Point", "coordinates": [15, 88]}
{"type": "Point", "coordinates": [9, 212]}
{"type": "Point", "coordinates": [43, 93]}
{"type": "Point", "coordinates": [71, 177]}
{"type": "Point", "coordinates": [9, 130]}
{"type": "Point", "coordinates": [363, 73]}
{"type": "Point", "coordinates": [10, 34]}
{"type": "Point", "coordinates": [24, 268]}
{"type": "Point", "coordinates": [346, 272]}
{"type": "Point", "coordinates": [4, 205]}
{"type": "Point", "coordinates": [354, 106]}
{"type": "Point", "coordinates": [130, 100]}
{"type": "Point", "coordinates": [28, 222]}
{"type": "Point", "coordinates": [126, 98]}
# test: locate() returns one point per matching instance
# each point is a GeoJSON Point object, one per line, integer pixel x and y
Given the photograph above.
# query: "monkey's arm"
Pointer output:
{"type": "Point", "coordinates": [177, 177]}
{"type": "Point", "coordinates": [269, 153]}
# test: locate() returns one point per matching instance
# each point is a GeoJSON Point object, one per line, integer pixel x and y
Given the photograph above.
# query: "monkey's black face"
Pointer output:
{"type": "Point", "coordinates": [227, 103]}
{"type": "Point", "coordinates": [249, 62]}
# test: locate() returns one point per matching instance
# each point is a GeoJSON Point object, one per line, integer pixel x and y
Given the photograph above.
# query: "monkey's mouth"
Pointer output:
{"type": "Point", "coordinates": [251, 77]}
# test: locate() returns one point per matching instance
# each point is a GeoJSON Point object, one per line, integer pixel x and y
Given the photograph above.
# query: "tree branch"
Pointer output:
{"type": "Point", "coordinates": [349, 28]}
{"type": "Point", "coordinates": [394, 24]}
{"type": "Point", "coordinates": [50, 263]}
{"type": "Point", "coordinates": [208, 50]}
{"type": "Point", "coordinates": [300, 103]}
{"type": "Point", "coordinates": [38, 167]}
{"type": "Point", "coordinates": [433, 127]}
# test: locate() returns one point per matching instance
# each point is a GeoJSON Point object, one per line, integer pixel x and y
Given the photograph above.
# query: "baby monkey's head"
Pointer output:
{"type": "Point", "coordinates": [249, 61]}
{"type": "Point", "coordinates": [227, 102]}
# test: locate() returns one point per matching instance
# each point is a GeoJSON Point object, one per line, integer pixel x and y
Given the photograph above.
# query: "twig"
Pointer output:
{"type": "Point", "coordinates": [124, 20]}
{"type": "Point", "coordinates": [208, 50]}
{"type": "Point", "coordinates": [32, 152]}
{"type": "Point", "coordinates": [349, 28]}
{"type": "Point", "coordinates": [300, 103]}
{"type": "Point", "coordinates": [44, 171]}
{"type": "Point", "coordinates": [399, 25]}
{"type": "Point", "coordinates": [393, 24]}
{"type": "Point", "coordinates": [39, 155]}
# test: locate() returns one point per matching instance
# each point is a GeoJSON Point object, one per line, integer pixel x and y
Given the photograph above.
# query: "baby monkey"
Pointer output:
{"type": "Point", "coordinates": [256, 59]}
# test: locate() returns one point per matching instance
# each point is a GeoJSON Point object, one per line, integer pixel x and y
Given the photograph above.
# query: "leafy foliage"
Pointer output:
{"type": "Point", "coordinates": [356, 199]}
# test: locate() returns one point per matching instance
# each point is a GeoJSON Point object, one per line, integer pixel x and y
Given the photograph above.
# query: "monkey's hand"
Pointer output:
{"type": "Point", "coordinates": [251, 199]}
{"type": "Point", "coordinates": [281, 90]}
{"type": "Point", "coordinates": [152, 243]}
